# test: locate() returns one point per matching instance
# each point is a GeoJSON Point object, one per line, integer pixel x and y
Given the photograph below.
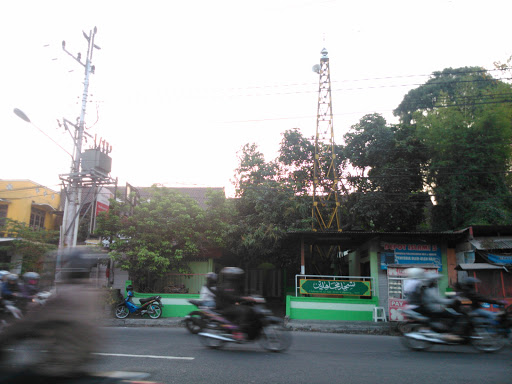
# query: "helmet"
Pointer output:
{"type": "Point", "coordinates": [3, 274]}
{"type": "Point", "coordinates": [31, 278]}
{"type": "Point", "coordinates": [12, 278]}
{"type": "Point", "coordinates": [211, 277]}
{"type": "Point", "coordinates": [468, 283]}
{"type": "Point", "coordinates": [431, 278]}
{"type": "Point", "coordinates": [415, 273]}
{"type": "Point", "coordinates": [231, 273]}
{"type": "Point", "coordinates": [129, 287]}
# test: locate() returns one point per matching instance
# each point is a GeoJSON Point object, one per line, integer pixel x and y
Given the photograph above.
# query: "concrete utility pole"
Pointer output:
{"type": "Point", "coordinates": [74, 179]}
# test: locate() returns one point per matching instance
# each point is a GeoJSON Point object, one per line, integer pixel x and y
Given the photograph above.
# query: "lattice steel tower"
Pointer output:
{"type": "Point", "coordinates": [326, 207]}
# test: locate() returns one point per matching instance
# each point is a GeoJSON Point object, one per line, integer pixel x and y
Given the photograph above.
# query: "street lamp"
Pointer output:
{"type": "Point", "coordinates": [68, 233]}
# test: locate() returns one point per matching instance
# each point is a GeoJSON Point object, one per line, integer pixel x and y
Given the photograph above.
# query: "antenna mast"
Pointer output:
{"type": "Point", "coordinates": [326, 207]}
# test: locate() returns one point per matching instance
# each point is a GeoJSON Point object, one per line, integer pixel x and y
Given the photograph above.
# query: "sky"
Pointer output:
{"type": "Point", "coordinates": [181, 86]}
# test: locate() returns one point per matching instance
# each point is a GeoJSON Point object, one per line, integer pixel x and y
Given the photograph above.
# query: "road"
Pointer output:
{"type": "Point", "coordinates": [171, 355]}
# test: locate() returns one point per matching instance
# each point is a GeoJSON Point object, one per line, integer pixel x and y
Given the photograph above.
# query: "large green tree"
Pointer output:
{"type": "Point", "coordinates": [271, 200]}
{"type": "Point", "coordinates": [463, 118]}
{"type": "Point", "coordinates": [385, 178]}
{"type": "Point", "coordinates": [162, 235]}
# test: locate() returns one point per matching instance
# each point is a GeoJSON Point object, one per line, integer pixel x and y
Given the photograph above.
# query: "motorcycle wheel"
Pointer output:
{"type": "Point", "coordinates": [195, 322]}
{"type": "Point", "coordinates": [404, 327]}
{"type": "Point", "coordinates": [414, 344]}
{"type": "Point", "coordinates": [275, 338]}
{"type": "Point", "coordinates": [122, 311]}
{"type": "Point", "coordinates": [487, 340]}
{"type": "Point", "coordinates": [210, 342]}
{"type": "Point", "coordinates": [155, 311]}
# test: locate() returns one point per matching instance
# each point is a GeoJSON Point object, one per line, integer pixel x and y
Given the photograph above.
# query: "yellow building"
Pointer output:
{"type": "Point", "coordinates": [31, 203]}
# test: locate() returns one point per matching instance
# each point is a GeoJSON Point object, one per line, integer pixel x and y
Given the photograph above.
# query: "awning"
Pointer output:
{"type": "Point", "coordinates": [479, 266]}
{"type": "Point", "coordinates": [5, 239]}
{"type": "Point", "coordinates": [44, 206]}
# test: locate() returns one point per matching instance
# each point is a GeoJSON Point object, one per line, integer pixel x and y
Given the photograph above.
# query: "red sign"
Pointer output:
{"type": "Point", "coordinates": [394, 309]}
{"type": "Point", "coordinates": [100, 207]}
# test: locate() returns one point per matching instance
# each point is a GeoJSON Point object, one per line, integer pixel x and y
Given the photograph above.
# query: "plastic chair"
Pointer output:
{"type": "Point", "coordinates": [379, 314]}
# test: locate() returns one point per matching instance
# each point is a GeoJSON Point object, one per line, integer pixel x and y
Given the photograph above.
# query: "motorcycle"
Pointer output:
{"type": "Point", "coordinates": [195, 321]}
{"type": "Point", "coordinates": [265, 328]}
{"type": "Point", "coordinates": [420, 332]}
{"type": "Point", "coordinates": [9, 312]}
{"type": "Point", "coordinates": [152, 306]}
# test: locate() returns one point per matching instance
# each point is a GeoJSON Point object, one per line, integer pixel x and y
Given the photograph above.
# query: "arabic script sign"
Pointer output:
{"type": "Point", "coordinates": [335, 287]}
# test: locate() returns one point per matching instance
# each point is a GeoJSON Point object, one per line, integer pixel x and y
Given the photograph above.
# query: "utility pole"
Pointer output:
{"type": "Point", "coordinates": [74, 179]}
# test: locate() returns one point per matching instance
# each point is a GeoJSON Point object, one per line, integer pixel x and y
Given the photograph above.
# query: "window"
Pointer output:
{"type": "Point", "coordinates": [37, 218]}
{"type": "Point", "coordinates": [3, 214]}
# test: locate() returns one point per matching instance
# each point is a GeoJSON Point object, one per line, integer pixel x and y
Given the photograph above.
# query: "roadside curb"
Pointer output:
{"type": "Point", "coordinates": [327, 326]}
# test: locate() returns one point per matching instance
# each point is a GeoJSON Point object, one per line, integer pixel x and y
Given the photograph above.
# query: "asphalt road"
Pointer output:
{"type": "Point", "coordinates": [171, 355]}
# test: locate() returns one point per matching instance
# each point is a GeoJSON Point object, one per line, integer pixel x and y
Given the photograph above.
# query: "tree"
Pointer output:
{"type": "Point", "coordinates": [271, 201]}
{"type": "Point", "coordinates": [463, 118]}
{"type": "Point", "coordinates": [161, 236]}
{"type": "Point", "coordinates": [386, 179]}
{"type": "Point", "coordinates": [30, 245]}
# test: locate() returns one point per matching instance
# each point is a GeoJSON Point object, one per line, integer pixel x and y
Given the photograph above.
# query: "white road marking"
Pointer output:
{"type": "Point", "coordinates": [145, 356]}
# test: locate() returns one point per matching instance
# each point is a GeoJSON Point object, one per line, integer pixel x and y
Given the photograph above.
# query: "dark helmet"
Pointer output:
{"type": "Point", "coordinates": [129, 287]}
{"type": "Point", "coordinates": [468, 283]}
{"type": "Point", "coordinates": [31, 278]}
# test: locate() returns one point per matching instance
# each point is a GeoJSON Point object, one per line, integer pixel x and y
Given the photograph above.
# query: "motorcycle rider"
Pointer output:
{"type": "Point", "coordinates": [414, 286]}
{"type": "Point", "coordinates": [30, 286]}
{"type": "Point", "coordinates": [208, 291]}
{"type": "Point", "coordinates": [10, 287]}
{"type": "Point", "coordinates": [65, 325]}
{"type": "Point", "coordinates": [467, 287]}
{"type": "Point", "coordinates": [228, 298]}
{"type": "Point", "coordinates": [436, 307]}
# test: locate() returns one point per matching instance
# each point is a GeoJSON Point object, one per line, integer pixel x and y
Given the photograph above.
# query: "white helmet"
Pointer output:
{"type": "Point", "coordinates": [415, 273]}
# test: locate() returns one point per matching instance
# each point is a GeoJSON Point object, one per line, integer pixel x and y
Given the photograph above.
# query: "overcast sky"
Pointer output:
{"type": "Point", "coordinates": [181, 86]}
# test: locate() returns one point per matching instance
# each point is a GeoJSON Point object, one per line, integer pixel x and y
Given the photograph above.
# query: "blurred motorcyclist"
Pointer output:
{"type": "Point", "coordinates": [30, 286]}
{"type": "Point", "coordinates": [10, 287]}
{"type": "Point", "coordinates": [467, 288]}
{"type": "Point", "coordinates": [414, 286]}
{"type": "Point", "coordinates": [436, 307]}
{"type": "Point", "coordinates": [229, 295]}
{"type": "Point", "coordinates": [208, 291]}
{"type": "Point", "coordinates": [65, 325]}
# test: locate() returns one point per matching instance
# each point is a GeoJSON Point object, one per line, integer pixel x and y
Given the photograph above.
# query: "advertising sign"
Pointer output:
{"type": "Point", "coordinates": [335, 287]}
{"type": "Point", "coordinates": [411, 254]}
{"type": "Point", "coordinates": [102, 200]}
{"type": "Point", "coordinates": [395, 305]}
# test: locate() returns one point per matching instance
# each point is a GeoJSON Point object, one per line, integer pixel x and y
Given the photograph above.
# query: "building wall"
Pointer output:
{"type": "Point", "coordinates": [21, 195]}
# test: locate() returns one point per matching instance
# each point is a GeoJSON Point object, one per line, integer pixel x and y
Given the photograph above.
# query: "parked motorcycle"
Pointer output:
{"type": "Point", "coordinates": [481, 332]}
{"type": "Point", "coordinates": [265, 328]}
{"type": "Point", "coordinates": [152, 306]}
{"type": "Point", "coordinates": [196, 320]}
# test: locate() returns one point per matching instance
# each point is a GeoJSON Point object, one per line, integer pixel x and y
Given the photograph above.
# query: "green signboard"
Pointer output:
{"type": "Point", "coordinates": [335, 287]}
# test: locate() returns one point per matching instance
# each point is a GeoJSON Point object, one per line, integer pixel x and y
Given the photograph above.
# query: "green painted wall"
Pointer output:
{"type": "Point", "coordinates": [312, 308]}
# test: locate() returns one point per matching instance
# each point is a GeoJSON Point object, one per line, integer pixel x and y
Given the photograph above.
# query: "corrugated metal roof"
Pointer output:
{"type": "Point", "coordinates": [490, 242]}
{"type": "Point", "coordinates": [478, 266]}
